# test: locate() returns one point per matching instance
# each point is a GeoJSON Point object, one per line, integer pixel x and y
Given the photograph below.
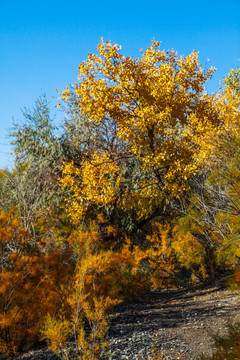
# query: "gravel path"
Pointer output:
{"type": "Point", "coordinates": [179, 324]}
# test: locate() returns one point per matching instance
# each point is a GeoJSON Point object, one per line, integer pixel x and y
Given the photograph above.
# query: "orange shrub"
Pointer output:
{"type": "Point", "coordinates": [30, 285]}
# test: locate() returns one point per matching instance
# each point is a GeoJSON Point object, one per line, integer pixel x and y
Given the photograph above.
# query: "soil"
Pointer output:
{"type": "Point", "coordinates": [178, 323]}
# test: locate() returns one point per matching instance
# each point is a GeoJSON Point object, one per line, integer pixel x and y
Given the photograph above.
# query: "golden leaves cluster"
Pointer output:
{"type": "Point", "coordinates": [159, 105]}
{"type": "Point", "coordinates": [95, 182]}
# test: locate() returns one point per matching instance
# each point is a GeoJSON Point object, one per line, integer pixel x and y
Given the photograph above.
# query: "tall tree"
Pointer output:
{"type": "Point", "coordinates": [32, 185]}
{"type": "Point", "coordinates": [158, 106]}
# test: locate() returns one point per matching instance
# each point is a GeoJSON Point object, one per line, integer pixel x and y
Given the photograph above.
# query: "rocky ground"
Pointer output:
{"type": "Point", "coordinates": [179, 324]}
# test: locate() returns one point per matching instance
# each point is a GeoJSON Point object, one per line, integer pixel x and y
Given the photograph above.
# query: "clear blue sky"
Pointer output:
{"type": "Point", "coordinates": [43, 42]}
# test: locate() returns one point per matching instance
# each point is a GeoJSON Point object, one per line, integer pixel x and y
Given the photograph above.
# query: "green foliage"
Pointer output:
{"type": "Point", "coordinates": [6, 201]}
{"type": "Point", "coordinates": [36, 137]}
{"type": "Point", "coordinates": [210, 221]}
{"type": "Point", "coordinates": [32, 185]}
{"type": "Point", "coordinates": [232, 80]}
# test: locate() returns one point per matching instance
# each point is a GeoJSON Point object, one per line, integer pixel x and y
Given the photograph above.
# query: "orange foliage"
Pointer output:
{"type": "Point", "coordinates": [163, 259]}
{"type": "Point", "coordinates": [102, 279]}
{"type": "Point", "coordinates": [30, 286]}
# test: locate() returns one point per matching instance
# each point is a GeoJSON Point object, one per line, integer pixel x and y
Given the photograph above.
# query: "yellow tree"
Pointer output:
{"type": "Point", "coordinates": [159, 106]}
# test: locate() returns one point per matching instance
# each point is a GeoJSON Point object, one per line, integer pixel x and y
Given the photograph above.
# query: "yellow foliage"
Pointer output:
{"type": "Point", "coordinates": [159, 107]}
{"type": "Point", "coordinates": [95, 182]}
{"type": "Point", "coordinates": [102, 279]}
{"type": "Point", "coordinates": [162, 259]}
{"type": "Point", "coordinates": [190, 253]}
{"type": "Point", "coordinates": [56, 330]}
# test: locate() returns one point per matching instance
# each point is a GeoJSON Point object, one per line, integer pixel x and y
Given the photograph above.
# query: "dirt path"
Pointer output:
{"type": "Point", "coordinates": [179, 324]}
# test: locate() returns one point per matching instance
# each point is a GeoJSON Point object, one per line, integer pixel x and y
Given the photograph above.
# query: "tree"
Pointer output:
{"type": "Point", "coordinates": [36, 136]}
{"type": "Point", "coordinates": [210, 213]}
{"type": "Point", "coordinates": [32, 185]}
{"type": "Point", "coordinates": [80, 137]}
{"type": "Point", "coordinates": [158, 107]}
{"type": "Point", "coordinates": [232, 80]}
{"type": "Point", "coordinates": [101, 165]}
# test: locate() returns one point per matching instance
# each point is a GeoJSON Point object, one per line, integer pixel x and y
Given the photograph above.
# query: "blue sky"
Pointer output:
{"type": "Point", "coordinates": [43, 42]}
